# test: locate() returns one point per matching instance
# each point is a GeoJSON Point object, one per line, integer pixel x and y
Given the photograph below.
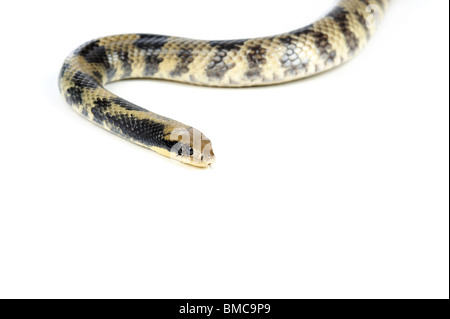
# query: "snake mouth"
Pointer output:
{"type": "Point", "coordinates": [205, 162]}
{"type": "Point", "coordinates": [208, 159]}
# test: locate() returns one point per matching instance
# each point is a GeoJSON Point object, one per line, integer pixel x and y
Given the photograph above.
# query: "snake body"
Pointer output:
{"type": "Point", "coordinates": [323, 45]}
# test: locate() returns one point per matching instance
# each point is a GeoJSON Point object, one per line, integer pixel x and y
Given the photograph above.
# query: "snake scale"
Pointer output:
{"type": "Point", "coordinates": [323, 45]}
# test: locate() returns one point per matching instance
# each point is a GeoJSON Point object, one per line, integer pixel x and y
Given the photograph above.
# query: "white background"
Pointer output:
{"type": "Point", "coordinates": [331, 187]}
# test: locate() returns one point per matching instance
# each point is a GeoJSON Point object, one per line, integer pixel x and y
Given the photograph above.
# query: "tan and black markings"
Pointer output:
{"type": "Point", "coordinates": [224, 51]}
{"type": "Point", "coordinates": [325, 44]}
{"type": "Point", "coordinates": [185, 58]}
{"type": "Point", "coordinates": [294, 59]}
{"type": "Point", "coordinates": [256, 58]}
{"type": "Point", "coordinates": [140, 129]}
{"type": "Point", "coordinates": [152, 45]}
{"type": "Point", "coordinates": [343, 19]}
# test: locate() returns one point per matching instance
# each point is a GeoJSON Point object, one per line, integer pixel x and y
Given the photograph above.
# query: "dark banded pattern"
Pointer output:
{"type": "Point", "coordinates": [325, 44]}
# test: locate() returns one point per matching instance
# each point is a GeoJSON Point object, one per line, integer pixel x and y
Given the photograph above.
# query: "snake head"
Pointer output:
{"type": "Point", "coordinates": [192, 147]}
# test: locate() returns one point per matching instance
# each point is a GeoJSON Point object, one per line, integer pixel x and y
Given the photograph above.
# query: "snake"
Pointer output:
{"type": "Point", "coordinates": [332, 40]}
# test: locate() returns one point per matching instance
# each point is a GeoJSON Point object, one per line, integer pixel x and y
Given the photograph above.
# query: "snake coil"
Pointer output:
{"type": "Point", "coordinates": [323, 45]}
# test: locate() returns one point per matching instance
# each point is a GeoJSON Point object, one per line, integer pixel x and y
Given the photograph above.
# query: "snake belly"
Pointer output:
{"type": "Point", "coordinates": [323, 45]}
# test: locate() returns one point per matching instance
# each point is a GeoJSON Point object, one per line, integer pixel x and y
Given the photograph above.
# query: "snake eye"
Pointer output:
{"type": "Point", "coordinates": [180, 151]}
{"type": "Point", "coordinates": [191, 151]}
